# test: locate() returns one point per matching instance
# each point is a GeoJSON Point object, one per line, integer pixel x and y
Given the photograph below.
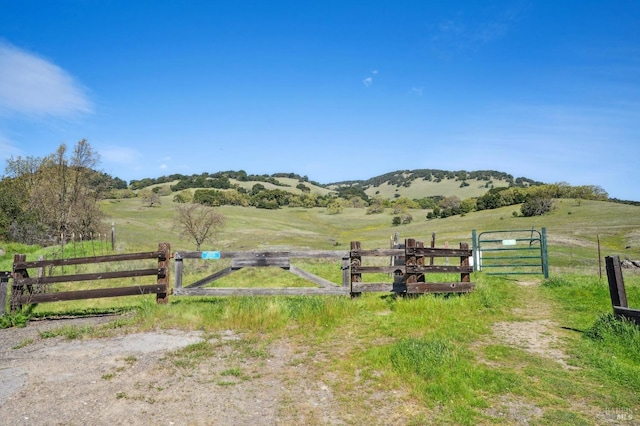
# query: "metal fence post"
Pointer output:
{"type": "Point", "coordinates": [545, 255]}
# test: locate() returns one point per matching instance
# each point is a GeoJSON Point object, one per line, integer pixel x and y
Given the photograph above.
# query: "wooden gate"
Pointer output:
{"type": "Point", "coordinates": [241, 260]}
{"type": "Point", "coordinates": [410, 274]}
{"type": "Point", "coordinates": [27, 290]}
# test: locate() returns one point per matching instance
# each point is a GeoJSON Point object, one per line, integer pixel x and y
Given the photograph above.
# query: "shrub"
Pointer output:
{"type": "Point", "coordinates": [536, 206]}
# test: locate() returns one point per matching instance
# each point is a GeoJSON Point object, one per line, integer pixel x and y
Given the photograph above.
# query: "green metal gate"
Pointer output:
{"type": "Point", "coordinates": [517, 252]}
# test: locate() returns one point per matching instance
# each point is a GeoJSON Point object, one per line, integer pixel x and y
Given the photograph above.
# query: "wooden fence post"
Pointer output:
{"type": "Point", "coordinates": [178, 265]}
{"type": "Point", "coordinates": [345, 272]}
{"type": "Point", "coordinates": [433, 245]}
{"type": "Point", "coordinates": [616, 282]}
{"type": "Point", "coordinates": [4, 289]}
{"type": "Point", "coordinates": [410, 259]}
{"type": "Point", "coordinates": [420, 262]}
{"type": "Point", "coordinates": [465, 277]}
{"type": "Point", "coordinates": [355, 261]}
{"type": "Point", "coordinates": [163, 272]}
{"type": "Point", "coordinates": [17, 289]}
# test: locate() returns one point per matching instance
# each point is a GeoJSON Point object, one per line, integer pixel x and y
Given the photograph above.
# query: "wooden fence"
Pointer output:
{"type": "Point", "coordinates": [407, 266]}
{"type": "Point", "coordinates": [618, 292]}
{"type": "Point", "coordinates": [28, 290]}
{"type": "Point", "coordinates": [241, 260]}
{"type": "Point", "coordinates": [409, 269]}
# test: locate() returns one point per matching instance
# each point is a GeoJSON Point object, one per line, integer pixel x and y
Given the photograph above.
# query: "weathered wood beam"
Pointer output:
{"type": "Point", "coordinates": [88, 260]}
{"type": "Point", "coordinates": [87, 277]}
{"type": "Point", "coordinates": [371, 287]}
{"type": "Point", "coordinates": [311, 254]}
{"type": "Point", "coordinates": [261, 291]}
{"type": "Point", "coordinates": [312, 277]}
{"type": "Point", "coordinates": [453, 287]}
{"type": "Point", "coordinates": [377, 269]}
{"type": "Point", "coordinates": [92, 294]}
{"type": "Point", "coordinates": [215, 276]}
{"type": "Point", "coordinates": [628, 313]}
{"type": "Point", "coordinates": [244, 262]}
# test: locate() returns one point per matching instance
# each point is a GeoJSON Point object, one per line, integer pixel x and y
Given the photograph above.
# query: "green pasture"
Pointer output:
{"type": "Point", "coordinates": [434, 359]}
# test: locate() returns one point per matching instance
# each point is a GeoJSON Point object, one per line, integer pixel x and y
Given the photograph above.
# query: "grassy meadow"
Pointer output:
{"type": "Point", "coordinates": [427, 360]}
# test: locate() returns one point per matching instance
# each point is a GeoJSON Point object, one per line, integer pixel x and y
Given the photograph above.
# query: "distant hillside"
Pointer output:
{"type": "Point", "coordinates": [413, 184]}
{"type": "Point", "coordinates": [421, 183]}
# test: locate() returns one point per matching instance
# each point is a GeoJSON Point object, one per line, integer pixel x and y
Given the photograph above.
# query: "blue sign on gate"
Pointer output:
{"type": "Point", "coordinates": [211, 255]}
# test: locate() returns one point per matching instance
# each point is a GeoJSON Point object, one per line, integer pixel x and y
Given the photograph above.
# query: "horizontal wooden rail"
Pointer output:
{"type": "Point", "coordinates": [92, 277]}
{"type": "Point", "coordinates": [453, 287]}
{"type": "Point", "coordinates": [244, 262]}
{"type": "Point", "coordinates": [261, 291]}
{"type": "Point", "coordinates": [425, 269]}
{"type": "Point", "coordinates": [377, 252]}
{"type": "Point", "coordinates": [311, 254]}
{"type": "Point", "coordinates": [88, 260]}
{"type": "Point", "coordinates": [628, 313]}
{"type": "Point", "coordinates": [92, 294]}
{"type": "Point", "coordinates": [438, 252]}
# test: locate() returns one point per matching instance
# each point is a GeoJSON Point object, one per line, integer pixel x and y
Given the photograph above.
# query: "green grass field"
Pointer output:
{"type": "Point", "coordinates": [446, 356]}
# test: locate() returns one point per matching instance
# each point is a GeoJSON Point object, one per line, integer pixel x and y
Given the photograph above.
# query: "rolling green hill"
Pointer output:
{"type": "Point", "coordinates": [413, 184]}
{"type": "Point", "coordinates": [573, 228]}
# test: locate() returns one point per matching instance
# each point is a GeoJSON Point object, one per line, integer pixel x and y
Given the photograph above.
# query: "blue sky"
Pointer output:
{"type": "Point", "coordinates": [334, 90]}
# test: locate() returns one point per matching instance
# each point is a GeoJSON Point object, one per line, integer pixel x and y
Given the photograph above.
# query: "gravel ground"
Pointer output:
{"type": "Point", "coordinates": [137, 379]}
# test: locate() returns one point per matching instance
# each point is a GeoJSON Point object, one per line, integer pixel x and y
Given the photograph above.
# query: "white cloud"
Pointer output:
{"type": "Point", "coordinates": [163, 166]}
{"type": "Point", "coordinates": [367, 81]}
{"type": "Point", "coordinates": [33, 86]}
{"type": "Point", "coordinates": [471, 30]}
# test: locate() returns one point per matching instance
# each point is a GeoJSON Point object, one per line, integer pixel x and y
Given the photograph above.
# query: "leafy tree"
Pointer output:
{"type": "Point", "coordinates": [428, 202]}
{"type": "Point", "coordinates": [357, 202]}
{"type": "Point", "coordinates": [13, 199]}
{"type": "Point", "coordinates": [348, 192]}
{"type": "Point", "coordinates": [270, 198]}
{"type": "Point", "coordinates": [403, 219]}
{"type": "Point", "coordinates": [536, 206]}
{"type": "Point", "coordinates": [198, 222]}
{"type": "Point", "coordinates": [337, 206]}
{"type": "Point", "coordinates": [452, 202]}
{"type": "Point", "coordinates": [402, 204]}
{"type": "Point", "coordinates": [257, 188]}
{"type": "Point", "coordinates": [304, 188]}
{"type": "Point", "coordinates": [468, 205]}
{"type": "Point", "coordinates": [149, 198]}
{"type": "Point", "coordinates": [376, 206]}
{"type": "Point", "coordinates": [61, 196]}
{"type": "Point", "coordinates": [183, 197]}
